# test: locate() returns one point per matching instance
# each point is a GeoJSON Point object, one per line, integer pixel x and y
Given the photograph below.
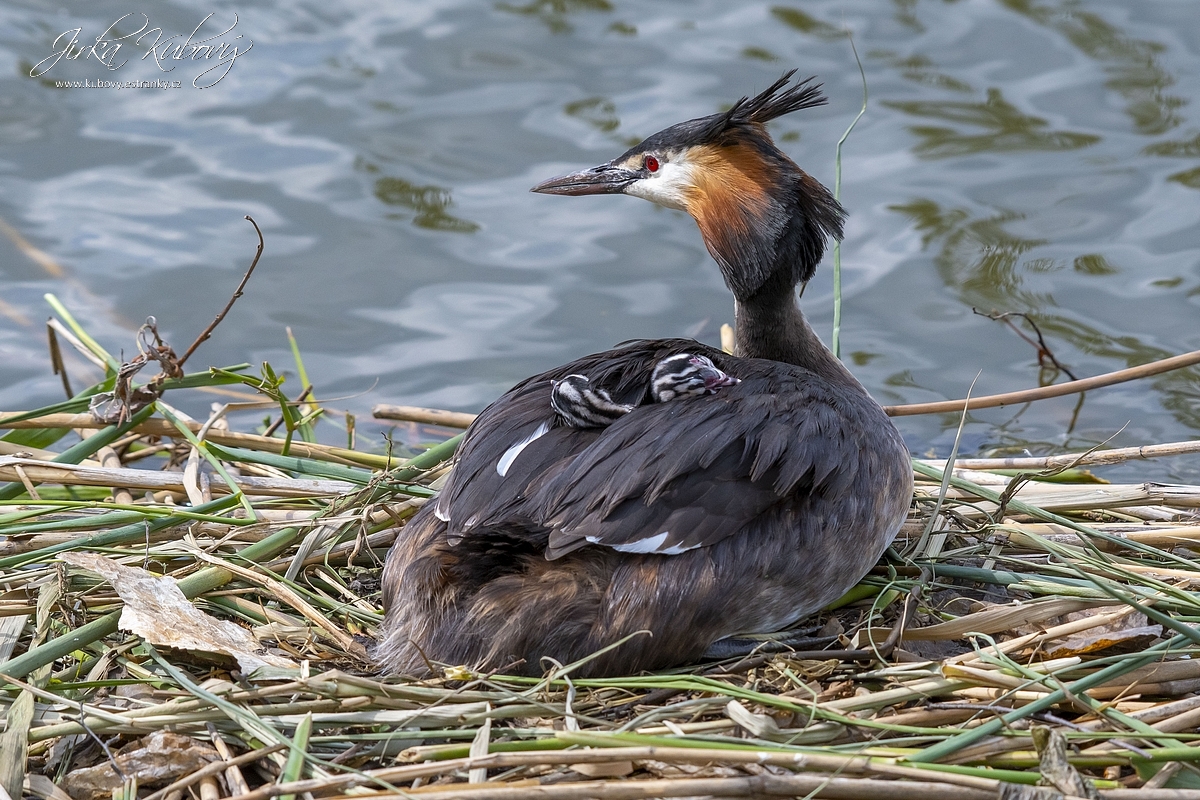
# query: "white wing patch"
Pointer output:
{"type": "Point", "coordinates": [676, 550]}
{"type": "Point", "coordinates": [651, 544]}
{"type": "Point", "coordinates": [648, 545]}
{"type": "Point", "coordinates": [510, 455]}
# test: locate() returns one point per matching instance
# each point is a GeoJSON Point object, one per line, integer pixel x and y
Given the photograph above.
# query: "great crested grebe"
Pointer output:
{"type": "Point", "coordinates": [695, 519]}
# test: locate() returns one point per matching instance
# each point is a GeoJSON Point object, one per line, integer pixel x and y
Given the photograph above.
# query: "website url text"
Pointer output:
{"type": "Point", "coordinates": [101, 84]}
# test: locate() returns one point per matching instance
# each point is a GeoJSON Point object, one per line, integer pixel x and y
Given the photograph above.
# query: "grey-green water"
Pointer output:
{"type": "Point", "coordinates": [1036, 157]}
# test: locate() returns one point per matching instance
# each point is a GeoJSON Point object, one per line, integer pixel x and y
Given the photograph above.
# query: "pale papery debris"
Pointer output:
{"type": "Point", "coordinates": [157, 610]}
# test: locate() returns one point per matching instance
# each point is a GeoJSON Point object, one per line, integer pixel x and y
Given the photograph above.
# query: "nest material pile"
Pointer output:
{"type": "Point", "coordinates": [188, 610]}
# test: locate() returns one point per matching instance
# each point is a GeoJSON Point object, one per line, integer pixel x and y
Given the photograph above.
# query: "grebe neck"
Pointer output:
{"type": "Point", "coordinates": [770, 325]}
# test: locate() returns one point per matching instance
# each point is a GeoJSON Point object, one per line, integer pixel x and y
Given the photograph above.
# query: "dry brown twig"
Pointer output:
{"type": "Point", "coordinates": [1044, 353]}
{"type": "Point", "coordinates": [126, 399]}
{"type": "Point", "coordinates": [56, 360]}
{"type": "Point", "coordinates": [207, 332]}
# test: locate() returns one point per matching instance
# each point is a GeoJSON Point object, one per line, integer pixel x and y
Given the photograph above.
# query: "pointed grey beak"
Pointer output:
{"type": "Point", "coordinates": [604, 179]}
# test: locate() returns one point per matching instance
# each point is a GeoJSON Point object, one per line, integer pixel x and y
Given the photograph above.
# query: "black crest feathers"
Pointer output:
{"type": "Point", "coordinates": [775, 101]}
{"type": "Point", "coordinates": [771, 103]}
{"type": "Point", "coordinates": [768, 105]}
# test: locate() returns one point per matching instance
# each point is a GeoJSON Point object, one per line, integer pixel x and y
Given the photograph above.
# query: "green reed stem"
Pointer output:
{"type": "Point", "coordinates": [837, 195]}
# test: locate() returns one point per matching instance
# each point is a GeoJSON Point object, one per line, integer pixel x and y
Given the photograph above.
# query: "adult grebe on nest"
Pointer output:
{"type": "Point", "coordinates": [696, 518]}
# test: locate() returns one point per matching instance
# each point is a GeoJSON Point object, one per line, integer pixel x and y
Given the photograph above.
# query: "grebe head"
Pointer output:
{"type": "Point", "coordinates": [763, 219]}
{"type": "Point", "coordinates": [686, 375]}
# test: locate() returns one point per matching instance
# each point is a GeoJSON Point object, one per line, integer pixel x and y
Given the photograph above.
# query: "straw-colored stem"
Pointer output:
{"type": "Point", "coordinates": [1054, 390]}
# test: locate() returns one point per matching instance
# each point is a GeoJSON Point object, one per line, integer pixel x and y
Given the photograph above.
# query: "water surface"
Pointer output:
{"type": "Point", "coordinates": [1033, 157]}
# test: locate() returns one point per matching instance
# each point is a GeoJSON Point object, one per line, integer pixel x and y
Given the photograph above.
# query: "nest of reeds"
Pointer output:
{"type": "Point", "coordinates": [187, 609]}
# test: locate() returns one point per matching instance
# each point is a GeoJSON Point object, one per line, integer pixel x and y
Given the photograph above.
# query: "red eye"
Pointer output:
{"type": "Point", "coordinates": [651, 163]}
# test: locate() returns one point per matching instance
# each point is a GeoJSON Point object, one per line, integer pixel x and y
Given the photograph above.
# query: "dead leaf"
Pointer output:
{"type": "Point", "coordinates": [1129, 632]}
{"type": "Point", "coordinates": [158, 758]}
{"type": "Point", "coordinates": [764, 726]}
{"type": "Point", "coordinates": [1056, 769]}
{"type": "Point", "coordinates": [156, 610]}
{"type": "Point", "coordinates": [1130, 640]}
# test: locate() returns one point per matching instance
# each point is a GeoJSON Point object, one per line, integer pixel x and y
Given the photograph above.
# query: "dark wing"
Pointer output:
{"type": "Point", "coordinates": [674, 476]}
{"type": "Point", "coordinates": [513, 443]}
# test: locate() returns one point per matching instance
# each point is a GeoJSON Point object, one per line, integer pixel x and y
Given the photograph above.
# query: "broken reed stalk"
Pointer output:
{"type": "Point", "coordinates": [430, 416]}
{"type": "Point", "coordinates": [766, 785]}
{"type": "Point", "coordinates": [1066, 460]}
{"type": "Point", "coordinates": [454, 419]}
{"type": "Point", "coordinates": [78, 475]}
{"type": "Point", "coordinates": [1045, 392]}
{"type": "Point", "coordinates": [161, 427]}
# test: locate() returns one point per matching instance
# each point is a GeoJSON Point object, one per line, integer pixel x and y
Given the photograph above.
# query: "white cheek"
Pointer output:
{"type": "Point", "coordinates": [667, 187]}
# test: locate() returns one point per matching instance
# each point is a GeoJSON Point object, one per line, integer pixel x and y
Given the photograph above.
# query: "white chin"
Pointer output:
{"type": "Point", "coordinates": [668, 199]}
